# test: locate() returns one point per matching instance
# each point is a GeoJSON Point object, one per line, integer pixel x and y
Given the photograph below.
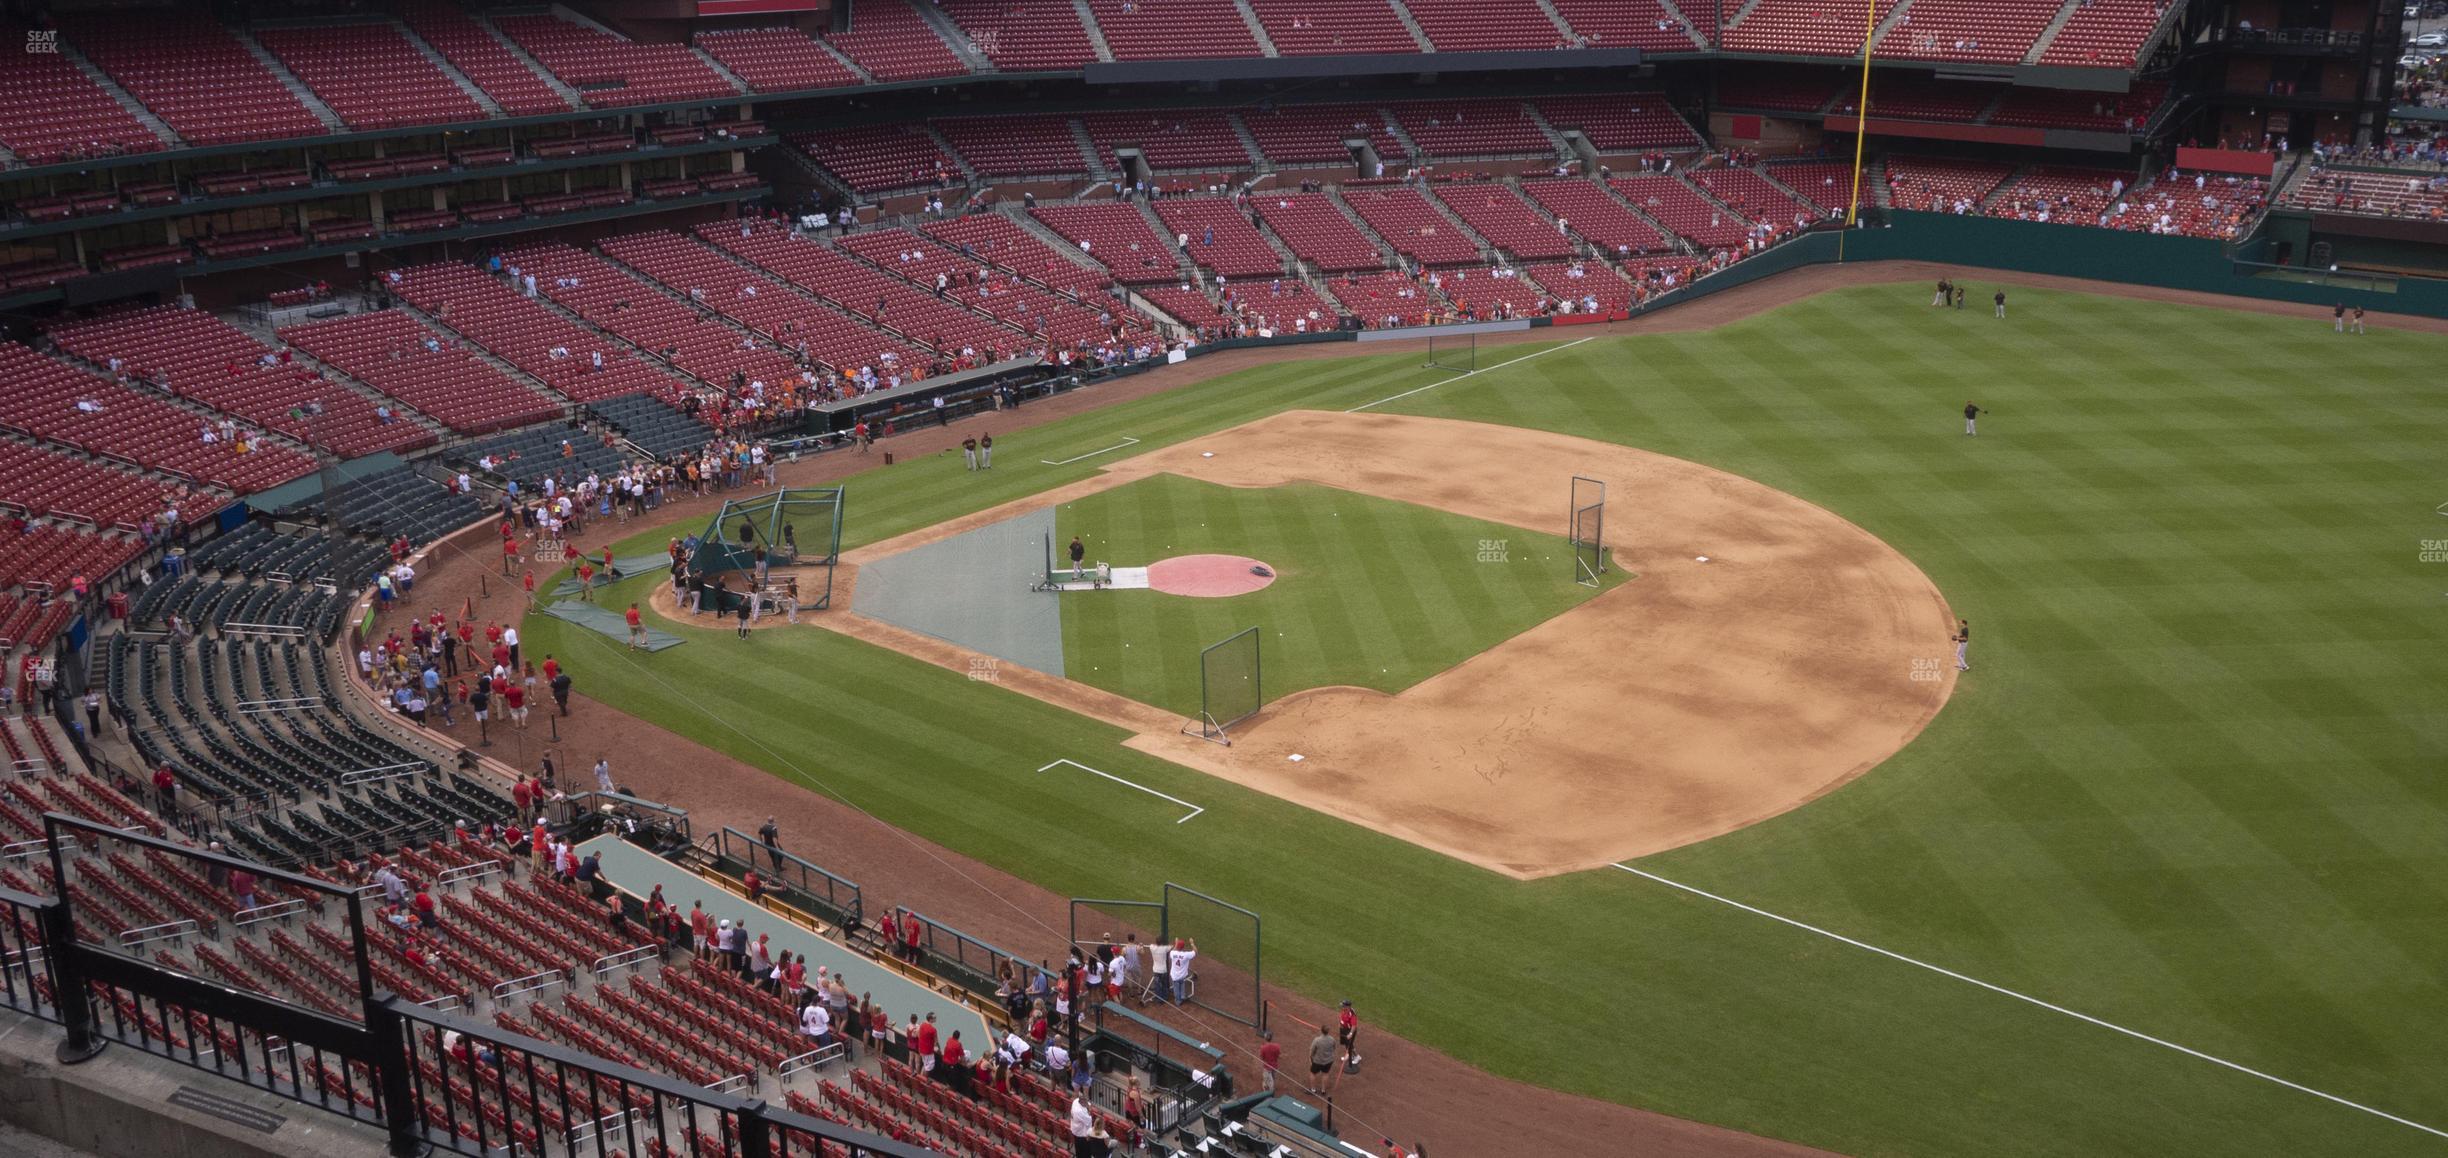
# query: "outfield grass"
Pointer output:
{"type": "Point", "coordinates": [2191, 786]}
{"type": "Point", "coordinates": [1369, 592]}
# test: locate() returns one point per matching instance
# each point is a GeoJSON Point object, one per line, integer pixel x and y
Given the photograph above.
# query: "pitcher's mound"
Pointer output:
{"type": "Point", "coordinates": [1211, 576]}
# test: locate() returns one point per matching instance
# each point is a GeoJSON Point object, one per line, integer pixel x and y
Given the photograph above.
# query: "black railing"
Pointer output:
{"type": "Point", "coordinates": [796, 882]}
{"type": "Point", "coordinates": [433, 1081]}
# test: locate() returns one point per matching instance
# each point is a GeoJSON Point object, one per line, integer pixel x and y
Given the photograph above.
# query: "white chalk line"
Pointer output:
{"type": "Point", "coordinates": [1195, 809]}
{"type": "Point", "coordinates": [2028, 999]}
{"type": "Point", "coordinates": [1091, 454]}
{"type": "Point", "coordinates": [1471, 374]}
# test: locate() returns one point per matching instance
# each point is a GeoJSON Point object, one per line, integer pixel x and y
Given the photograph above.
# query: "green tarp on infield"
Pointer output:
{"type": "Point", "coordinates": [623, 567]}
{"type": "Point", "coordinates": [604, 620]}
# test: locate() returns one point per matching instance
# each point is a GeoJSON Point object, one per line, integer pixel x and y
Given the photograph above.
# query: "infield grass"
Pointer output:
{"type": "Point", "coordinates": [2192, 785]}
{"type": "Point", "coordinates": [1369, 592]}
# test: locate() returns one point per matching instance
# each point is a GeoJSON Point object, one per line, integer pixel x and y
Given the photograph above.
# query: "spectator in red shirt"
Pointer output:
{"type": "Point", "coordinates": [242, 887]}
{"type": "Point", "coordinates": [925, 1046]}
{"type": "Point", "coordinates": [165, 785]}
{"type": "Point", "coordinates": [954, 1071]}
{"type": "Point", "coordinates": [755, 886]}
{"type": "Point", "coordinates": [514, 699]}
{"type": "Point", "coordinates": [1270, 1056]}
{"type": "Point", "coordinates": [426, 914]}
{"type": "Point", "coordinates": [701, 927]}
{"type": "Point", "coordinates": [909, 939]}
{"type": "Point", "coordinates": [586, 581]}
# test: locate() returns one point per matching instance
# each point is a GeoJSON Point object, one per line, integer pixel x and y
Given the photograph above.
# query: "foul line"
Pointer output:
{"type": "Point", "coordinates": [1195, 809]}
{"type": "Point", "coordinates": [1091, 454]}
{"type": "Point", "coordinates": [2027, 998]}
{"type": "Point", "coordinates": [1471, 374]}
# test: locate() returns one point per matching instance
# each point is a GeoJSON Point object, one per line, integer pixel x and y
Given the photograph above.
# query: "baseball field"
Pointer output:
{"type": "Point", "coordinates": [2165, 874]}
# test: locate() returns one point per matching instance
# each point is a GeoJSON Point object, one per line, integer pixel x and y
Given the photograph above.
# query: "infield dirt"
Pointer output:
{"type": "Point", "coordinates": [1694, 700]}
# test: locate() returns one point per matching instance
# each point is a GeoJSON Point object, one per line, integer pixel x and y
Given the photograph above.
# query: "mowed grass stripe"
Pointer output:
{"type": "Point", "coordinates": [2120, 811]}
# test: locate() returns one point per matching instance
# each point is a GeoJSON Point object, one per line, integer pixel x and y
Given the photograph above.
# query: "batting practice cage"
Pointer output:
{"type": "Point", "coordinates": [1229, 687]}
{"type": "Point", "coordinates": [1453, 352]}
{"type": "Point", "coordinates": [799, 528]}
{"type": "Point", "coordinates": [1588, 530]}
{"type": "Point", "coordinates": [1225, 977]}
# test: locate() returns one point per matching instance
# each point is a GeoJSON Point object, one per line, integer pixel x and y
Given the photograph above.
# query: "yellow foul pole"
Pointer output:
{"type": "Point", "coordinates": [1861, 126]}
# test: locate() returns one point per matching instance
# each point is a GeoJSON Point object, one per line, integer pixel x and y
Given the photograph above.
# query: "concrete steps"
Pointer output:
{"type": "Point", "coordinates": [127, 100]}
{"type": "Point", "coordinates": [297, 88]}
{"type": "Point", "coordinates": [1249, 16]}
{"type": "Point", "coordinates": [1699, 39]}
{"type": "Point", "coordinates": [2048, 35]}
{"type": "Point", "coordinates": [1410, 22]}
{"type": "Point", "coordinates": [471, 88]}
{"type": "Point", "coordinates": [1895, 16]}
{"type": "Point", "coordinates": [856, 69]}
{"type": "Point", "coordinates": [1096, 34]}
{"type": "Point", "coordinates": [1562, 29]}
{"type": "Point", "coordinates": [1385, 249]}
{"type": "Point", "coordinates": [576, 99]}
{"type": "Point", "coordinates": [951, 34]}
{"type": "Point", "coordinates": [1249, 141]}
{"type": "Point", "coordinates": [1088, 149]}
{"type": "Point", "coordinates": [737, 83]}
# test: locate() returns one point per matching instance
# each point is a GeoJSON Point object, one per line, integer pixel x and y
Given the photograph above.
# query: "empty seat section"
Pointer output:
{"type": "Point", "coordinates": [1804, 28]}
{"type": "Point", "coordinates": [1489, 128]}
{"type": "Point", "coordinates": [1413, 226]}
{"type": "Point", "coordinates": [609, 71]}
{"type": "Point", "coordinates": [1485, 25]}
{"type": "Point", "coordinates": [1388, 298]}
{"type": "Point", "coordinates": [1173, 29]}
{"type": "Point", "coordinates": [1169, 139]}
{"type": "Point", "coordinates": [40, 481]}
{"type": "Point", "coordinates": [925, 263]}
{"type": "Point", "coordinates": [194, 75]}
{"type": "Point", "coordinates": [1918, 99]}
{"type": "Point", "coordinates": [1623, 123]}
{"type": "Point", "coordinates": [1674, 205]}
{"type": "Point", "coordinates": [648, 317]}
{"type": "Point", "coordinates": [1480, 292]}
{"type": "Point", "coordinates": [47, 399]}
{"type": "Point", "coordinates": [1032, 146]}
{"type": "Point", "coordinates": [1626, 24]}
{"type": "Point", "coordinates": [1314, 134]}
{"type": "Point", "coordinates": [776, 59]}
{"type": "Point", "coordinates": [209, 361]}
{"type": "Point", "coordinates": [483, 59]}
{"type": "Point", "coordinates": [2067, 195]}
{"type": "Point", "coordinates": [1279, 304]}
{"type": "Point", "coordinates": [1024, 35]}
{"type": "Point", "coordinates": [1221, 239]}
{"type": "Point", "coordinates": [1827, 184]}
{"type": "Point", "coordinates": [2105, 33]}
{"type": "Point", "coordinates": [892, 42]}
{"type": "Point", "coordinates": [1594, 215]}
{"type": "Point", "coordinates": [1584, 283]}
{"type": "Point", "coordinates": [1003, 243]}
{"type": "Point", "coordinates": [50, 111]}
{"type": "Point", "coordinates": [527, 334]}
{"type": "Point", "coordinates": [1314, 228]}
{"type": "Point", "coordinates": [2098, 112]}
{"type": "Point", "coordinates": [1114, 234]}
{"type": "Point", "coordinates": [873, 158]}
{"type": "Point", "coordinates": [1753, 195]}
{"type": "Point", "coordinates": [397, 355]}
{"type": "Point", "coordinates": [1333, 27]}
{"type": "Point", "coordinates": [1781, 90]}
{"type": "Point", "coordinates": [1942, 185]}
{"type": "Point", "coordinates": [370, 75]}
{"type": "Point", "coordinates": [912, 317]}
{"type": "Point", "coordinates": [1497, 213]}
{"type": "Point", "coordinates": [1985, 31]}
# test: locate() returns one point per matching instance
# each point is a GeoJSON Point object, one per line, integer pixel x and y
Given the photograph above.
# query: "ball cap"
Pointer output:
{"type": "Point", "coordinates": [1347, 1005]}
